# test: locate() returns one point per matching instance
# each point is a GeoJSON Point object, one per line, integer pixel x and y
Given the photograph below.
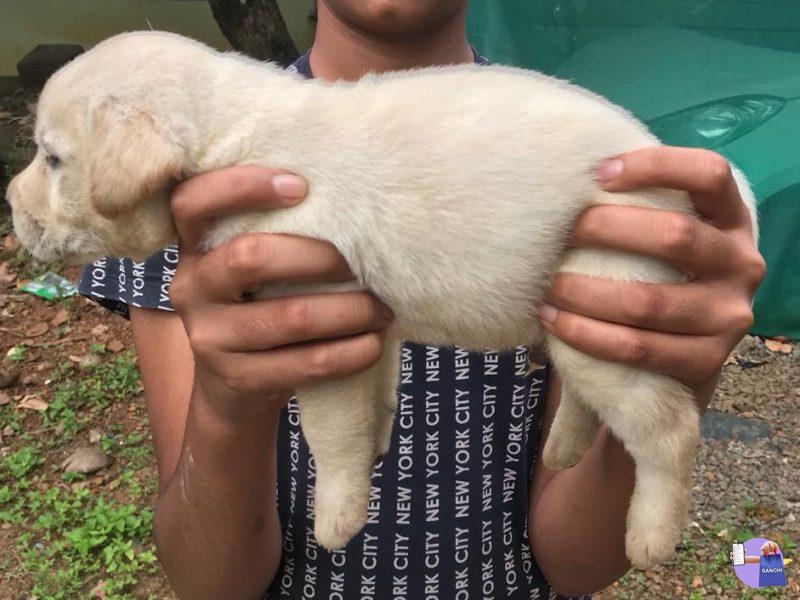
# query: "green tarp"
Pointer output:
{"type": "Point", "coordinates": [721, 74]}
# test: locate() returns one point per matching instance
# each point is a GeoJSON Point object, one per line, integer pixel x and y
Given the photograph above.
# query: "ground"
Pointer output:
{"type": "Point", "coordinates": [68, 380]}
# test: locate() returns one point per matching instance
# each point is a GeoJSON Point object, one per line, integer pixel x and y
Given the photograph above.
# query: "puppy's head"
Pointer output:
{"type": "Point", "coordinates": [105, 162]}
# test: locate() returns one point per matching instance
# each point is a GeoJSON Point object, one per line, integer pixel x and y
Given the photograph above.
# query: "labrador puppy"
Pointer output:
{"type": "Point", "coordinates": [451, 192]}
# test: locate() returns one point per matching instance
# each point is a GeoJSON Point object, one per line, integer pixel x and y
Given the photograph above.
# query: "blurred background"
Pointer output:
{"type": "Point", "coordinates": [77, 479]}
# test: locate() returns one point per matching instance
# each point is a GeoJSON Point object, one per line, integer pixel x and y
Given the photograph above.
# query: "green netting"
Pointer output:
{"type": "Point", "coordinates": [721, 74]}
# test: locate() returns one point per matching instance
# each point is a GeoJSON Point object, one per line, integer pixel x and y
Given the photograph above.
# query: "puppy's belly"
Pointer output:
{"type": "Point", "coordinates": [441, 324]}
{"type": "Point", "coordinates": [476, 334]}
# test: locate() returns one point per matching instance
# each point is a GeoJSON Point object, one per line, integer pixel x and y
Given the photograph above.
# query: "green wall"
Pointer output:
{"type": "Point", "coordinates": [26, 23]}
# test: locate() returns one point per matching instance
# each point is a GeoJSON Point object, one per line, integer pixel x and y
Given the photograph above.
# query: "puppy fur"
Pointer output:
{"type": "Point", "coordinates": [451, 193]}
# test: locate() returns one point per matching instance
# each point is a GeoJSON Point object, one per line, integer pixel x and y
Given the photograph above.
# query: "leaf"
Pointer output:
{"type": "Point", "coordinates": [61, 317]}
{"type": "Point", "coordinates": [33, 403]}
{"type": "Point", "coordinates": [778, 345]}
{"type": "Point", "coordinates": [37, 329]}
{"type": "Point", "coordinates": [16, 353]}
{"type": "Point", "coordinates": [11, 243]}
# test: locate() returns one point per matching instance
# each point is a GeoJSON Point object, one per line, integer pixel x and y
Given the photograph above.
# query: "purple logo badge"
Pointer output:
{"type": "Point", "coordinates": [758, 563]}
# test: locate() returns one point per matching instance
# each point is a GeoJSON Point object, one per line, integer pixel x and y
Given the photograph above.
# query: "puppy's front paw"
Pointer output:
{"type": "Point", "coordinates": [561, 453]}
{"type": "Point", "coordinates": [384, 438]}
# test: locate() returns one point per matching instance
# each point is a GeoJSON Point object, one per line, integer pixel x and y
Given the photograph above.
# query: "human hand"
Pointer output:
{"type": "Point", "coordinates": [685, 330]}
{"type": "Point", "coordinates": [767, 549]}
{"type": "Point", "coordinates": [250, 355]}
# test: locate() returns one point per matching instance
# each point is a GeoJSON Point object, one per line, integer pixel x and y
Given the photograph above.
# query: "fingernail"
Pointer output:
{"type": "Point", "coordinates": [290, 187]}
{"type": "Point", "coordinates": [608, 170]}
{"type": "Point", "coordinates": [547, 313]}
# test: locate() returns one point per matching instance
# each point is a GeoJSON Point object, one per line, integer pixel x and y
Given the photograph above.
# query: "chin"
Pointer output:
{"type": "Point", "coordinates": [397, 17]}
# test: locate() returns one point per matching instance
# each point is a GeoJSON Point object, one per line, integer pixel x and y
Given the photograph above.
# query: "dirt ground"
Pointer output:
{"type": "Point", "coordinates": [747, 481]}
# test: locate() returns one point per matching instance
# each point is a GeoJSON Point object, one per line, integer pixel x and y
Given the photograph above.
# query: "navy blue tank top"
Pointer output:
{"type": "Point", "coordinates": [448, 509]}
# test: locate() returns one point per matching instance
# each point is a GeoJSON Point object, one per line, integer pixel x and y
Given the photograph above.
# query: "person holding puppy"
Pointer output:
{"type": "Point", "coordinates": [461, 506]}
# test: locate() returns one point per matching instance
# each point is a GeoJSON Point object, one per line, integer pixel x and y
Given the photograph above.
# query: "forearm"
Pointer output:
{"type": "Point", "coordinates": [216, 522]}
{"type": "Point", "coordinates": [577, 524]}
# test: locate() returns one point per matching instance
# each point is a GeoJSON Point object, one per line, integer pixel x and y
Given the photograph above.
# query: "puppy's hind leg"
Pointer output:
{"type": "Point", "coordinates": [658, 423]}
{"type": "Point", "coordinates": [339, 423]}
{"type": "Point", "coordinates": [572, 432]}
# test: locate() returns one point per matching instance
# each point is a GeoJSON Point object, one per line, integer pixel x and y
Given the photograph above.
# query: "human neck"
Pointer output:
{"type": "Point", "coordinates": [343, 52]}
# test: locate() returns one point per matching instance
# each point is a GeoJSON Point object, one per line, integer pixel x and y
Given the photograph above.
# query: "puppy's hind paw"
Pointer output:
{"type": "Point", "coordinates": [339, 517]}
{"type": "Point", "coordinates": [647, 548]}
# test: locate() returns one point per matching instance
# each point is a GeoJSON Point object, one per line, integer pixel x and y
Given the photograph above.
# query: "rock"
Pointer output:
{"type": "Point", "coordinates": [86, 459]}
{"type": "Point", "coordinates": [115, 346]}
{"type": "Point", "coordinates": [94, 436]}
{"type": "Point", "coordinates": [717, 425]}
{"type": "Point", "coordinates": [9, 376]}
{"type": "Point", "coordinates": [44, 60]}
{"type": "Point", "coordinates": [747, 345]}
{"type": "Point", "coordinates": [30, 379]}
{"type": "Point", "coordinates": [8, 431]}
{"type": "Point", "coordinates": [4, 398]}
{"type": "Point", "coordinates": [99, 329]}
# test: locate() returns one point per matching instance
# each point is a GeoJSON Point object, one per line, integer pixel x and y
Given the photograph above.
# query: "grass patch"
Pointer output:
{"type": "Point", "coordinates": [72, 540]}
{"type": "Point", "coordinates": [78, 395]}
{"type": "Point", "coordinates": [73, 536]}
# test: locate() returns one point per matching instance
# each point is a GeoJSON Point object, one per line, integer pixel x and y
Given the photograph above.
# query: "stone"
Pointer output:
{"type": "Point", "coordinates": [9, 376]}
{"type": "Point", "coordinates": [45, 59]}
{"type": "Point", "coordinates": [85, 459]}
{"type": "Point", "coordinates": [718, 425]}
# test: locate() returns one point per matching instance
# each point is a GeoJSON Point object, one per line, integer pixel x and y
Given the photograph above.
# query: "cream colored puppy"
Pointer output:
{"type": "Point", "coordinates": [451, 193]}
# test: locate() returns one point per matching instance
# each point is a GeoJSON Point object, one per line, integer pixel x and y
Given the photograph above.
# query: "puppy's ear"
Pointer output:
{"type": "Point", "coordinates": [130, 159]}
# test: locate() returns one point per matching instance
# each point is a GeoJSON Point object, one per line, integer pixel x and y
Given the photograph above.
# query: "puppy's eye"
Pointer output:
{"type": "Point", "coordinates": [52, 160]}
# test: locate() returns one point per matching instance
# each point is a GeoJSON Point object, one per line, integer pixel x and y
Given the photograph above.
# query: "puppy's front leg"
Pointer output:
{"type": "Point", "coordinates": [345, 424]}
{"type": "Point", "coordinates": [572, 432]}
{"type": "Point", "coordinates": [386, 404]}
